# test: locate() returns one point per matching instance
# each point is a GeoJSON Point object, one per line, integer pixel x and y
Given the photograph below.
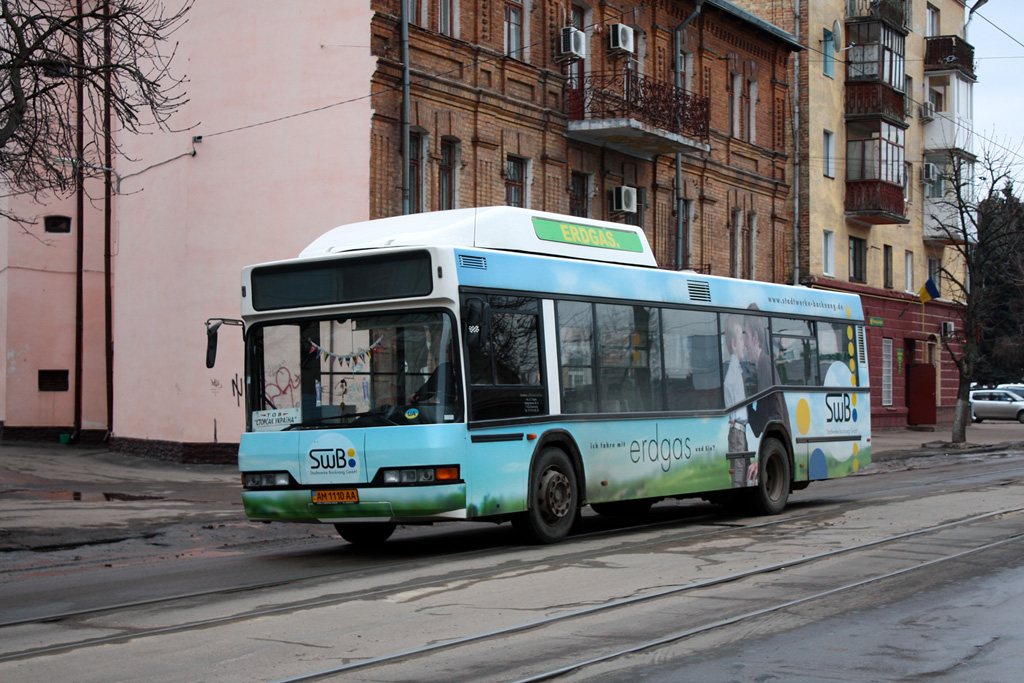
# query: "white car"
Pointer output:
{"type": "Point", "coordinates": [997, 404]}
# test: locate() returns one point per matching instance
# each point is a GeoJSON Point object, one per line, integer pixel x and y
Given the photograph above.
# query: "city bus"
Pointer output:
{"type": "Point", "coordinates": [502, 364]}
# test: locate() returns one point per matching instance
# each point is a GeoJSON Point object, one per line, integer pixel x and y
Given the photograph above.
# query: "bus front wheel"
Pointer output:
{"type": "Point", "coordinates": [771, 493]}
{"type": "Point", "coordinates": [366, 533]}
{"type": "Point", "coordinates": [553, 505]}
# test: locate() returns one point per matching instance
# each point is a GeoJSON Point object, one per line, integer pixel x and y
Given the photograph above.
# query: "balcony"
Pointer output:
{"type": "Point", "coordinates": [872, 100]}
{"type": "Point", "coordinates": [945, 53]}
{"type": "Point", "coordinates": [636, 115]}
{"type": "Point", "coordinates": [892, 11]}
{"type": "Point", "coordinates": [875, 202]}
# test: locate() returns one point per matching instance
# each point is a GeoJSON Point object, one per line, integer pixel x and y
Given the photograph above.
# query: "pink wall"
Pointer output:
{"type": "Point", "coordinates": [185, 228]}
{"type": "Point", "coordinates": [37, 314]}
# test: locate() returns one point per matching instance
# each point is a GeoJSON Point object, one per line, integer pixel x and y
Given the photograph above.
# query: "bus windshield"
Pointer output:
{"type": "Point", "coordinates": [360, 371]}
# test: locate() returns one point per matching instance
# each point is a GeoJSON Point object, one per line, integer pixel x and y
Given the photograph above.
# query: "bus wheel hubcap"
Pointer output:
{"type": "Point", "coordinates": [556, 494]}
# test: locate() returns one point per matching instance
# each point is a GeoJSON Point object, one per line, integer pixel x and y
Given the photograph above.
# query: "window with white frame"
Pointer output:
{"type": "Point", "coordinates": [828, 144]}
{"type": "Point", "coordinates": [875, 151]}
{"type": "Point", "coordinates": [876, 52]}
{"type": "Point", "coordinates": [828, 51]}
{"type": "Point", "coordinates": [935, 272]}
{"type": "Point", "coordinates": [886, 371]}
{"type": "Point", "coordinates": [908, 264]}
{"type": "Point", "coordinates": [514, 17]}
{"type": "Point", "coordinates": [931, 28]}
{"type": "Point", "coordinates": [828, 253]}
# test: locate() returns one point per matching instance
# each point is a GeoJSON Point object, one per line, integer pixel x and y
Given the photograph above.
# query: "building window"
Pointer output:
{"type": "Point", "coordinates": [828, 253]}
{"type": "Point", "coordinates": [57, 224]}
{"type": "Point", "coordinates": [515, 182]}
{"type": "Point", "coordinates": [686, 69]}
{"type": "Point", "coordinates": [908, 96]}
{"type": "Point", "coordinates": [53, 380]}
{"type": "Point", "coordinates": [735, 227]}
{"type": "Point", "coordinates": [579, 195]}
{"type": "Point", "coordinates": [875, 53]}
{"type": "Point", "coordinates": [931, 28]}
{"type": "Point", "coordinates": [752, 111]}
{"type": "Point", "coordinates": [908, 186]}
{"type": "Point", "coordinates": [513, 28]}
{"type": "Point", "coordinates": [935, 188]}
{"type": "Point", "coordinates": [828, 50]}
{"type": "Point", "coordinates": [887, 267]}
{"type": "Point", "coordinates": [684, 240]}
{"type": "Point", "coordinates": [828, 142]}
{"type": "Point", "coordinates": [444, 17]}
{"type": "Point", "coordinates": [750, 246]}
{"type": "Point", "coordinates": [858, 259]}
{"type": "Point", "coordinates": [908, 278]}
{"type": "Point", "coordinates": [886, 372]}
{"type": "Point", "coordinates": [446, 175]}
{"type": "Point", "coordinates": [736, 103]}
{"type": "Point", "coordinates": [875, 152]}
{"type": "Point", "coordinates": [935, 273]}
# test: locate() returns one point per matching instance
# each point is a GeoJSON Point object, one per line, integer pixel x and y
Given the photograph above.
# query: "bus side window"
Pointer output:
{"type": "Point", "coordinates": [476, 320]}
{"type": "Point", "coordinates": [693, 378]}
{"type": "Point", "coordinates": [576, 356]}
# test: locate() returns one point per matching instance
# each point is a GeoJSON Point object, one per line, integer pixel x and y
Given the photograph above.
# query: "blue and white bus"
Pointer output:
{"type": "Point", "coordinates": [502, 364]}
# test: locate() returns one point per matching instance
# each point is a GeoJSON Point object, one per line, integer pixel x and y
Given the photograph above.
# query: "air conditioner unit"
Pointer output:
{"type": "Point", "coordinates": [929, 173]}
{"type": "Point", "coordinates": [948, 329]}
{"type": "Point", "coordinates": [573, 44]}
{"type": "Point", "coordinates": [624, 199]}
{"type": "Point", "coordinates": [927, 111]}
{"type": "Point", "coordinates": [620, 38]}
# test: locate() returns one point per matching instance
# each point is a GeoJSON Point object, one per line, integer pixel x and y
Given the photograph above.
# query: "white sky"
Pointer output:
{"type": "Point", "coordinates": [999, 92]}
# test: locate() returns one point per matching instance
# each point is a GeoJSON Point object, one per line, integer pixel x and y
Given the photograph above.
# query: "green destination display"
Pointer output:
{"type": "Point", "coordinates": [586, 235]}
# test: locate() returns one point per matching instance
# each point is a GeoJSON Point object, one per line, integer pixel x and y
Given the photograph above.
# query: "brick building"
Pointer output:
{"type": "Point", "coordinates": [649, 113]}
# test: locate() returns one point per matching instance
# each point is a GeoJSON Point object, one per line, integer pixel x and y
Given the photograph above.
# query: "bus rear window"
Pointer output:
{"type": "Point", "coordinates": [343, 280]}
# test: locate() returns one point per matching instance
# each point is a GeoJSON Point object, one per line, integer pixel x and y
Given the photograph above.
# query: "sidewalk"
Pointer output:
{"type": "Point", "coordinates": [53, 495]}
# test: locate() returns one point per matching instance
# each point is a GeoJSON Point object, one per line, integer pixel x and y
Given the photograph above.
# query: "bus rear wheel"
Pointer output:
{"type": "Point", "coordinates": [366, 533]}
{"type": "Point", "coordinates": [771, 493]}
{"type": "Point", "coordinates": [553, 504]}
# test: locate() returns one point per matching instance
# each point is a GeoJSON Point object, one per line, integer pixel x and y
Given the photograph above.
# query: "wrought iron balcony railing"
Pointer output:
{"type": "Point", "coordinates": [949, 52]}
{"type": "Point", "coordinates": [625, 94]}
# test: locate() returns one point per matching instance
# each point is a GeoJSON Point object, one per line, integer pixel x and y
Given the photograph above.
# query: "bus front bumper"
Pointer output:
{"type": "Point", "coordinates": [392, 503]}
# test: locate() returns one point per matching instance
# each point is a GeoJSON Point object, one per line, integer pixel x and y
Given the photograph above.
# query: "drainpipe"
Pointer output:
{"type": "Point", "coordinates": [796, 152]}
{"type": "Point", "coordinates": [682, 254]}
{"type": "Point", "coordinates": [406, 209]}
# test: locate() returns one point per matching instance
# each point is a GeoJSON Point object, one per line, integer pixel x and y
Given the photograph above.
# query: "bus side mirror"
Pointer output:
{"type": "Point", "coordinates": [211, 341]}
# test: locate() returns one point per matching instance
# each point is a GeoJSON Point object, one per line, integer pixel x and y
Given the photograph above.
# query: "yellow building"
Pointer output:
{"type": "Point", "coordinates": [882, 101]}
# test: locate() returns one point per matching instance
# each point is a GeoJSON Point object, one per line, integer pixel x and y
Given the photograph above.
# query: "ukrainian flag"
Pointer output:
{"type": "Point", "coordinates": [928, 291]}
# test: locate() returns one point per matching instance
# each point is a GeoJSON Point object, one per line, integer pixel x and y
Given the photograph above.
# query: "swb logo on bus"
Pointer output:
{"type": "Point", "coordinates": [332, 457]}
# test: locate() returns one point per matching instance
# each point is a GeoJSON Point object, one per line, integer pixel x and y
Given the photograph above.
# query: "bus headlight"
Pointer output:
{"type": "Point", "coordinates": [258, 480]}
{"type": "Point", "coordinates": [420, 475]}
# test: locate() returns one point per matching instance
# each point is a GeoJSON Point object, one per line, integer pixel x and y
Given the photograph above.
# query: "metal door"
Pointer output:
{"type": "Point", "coordinates": [921, 394]}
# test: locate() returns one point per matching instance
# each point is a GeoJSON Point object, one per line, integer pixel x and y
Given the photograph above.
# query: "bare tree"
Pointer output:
{"type": "Point", "coordinates": [982, 222]}
{"type": "Point", "coordinates": [70, 72]}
